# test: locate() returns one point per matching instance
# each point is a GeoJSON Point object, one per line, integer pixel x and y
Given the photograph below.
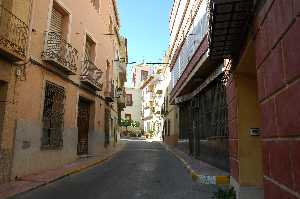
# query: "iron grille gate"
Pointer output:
{"type": "Point", "coordinates": [203, 121]}
{"type": "Point", "coordinates": [53, 116]}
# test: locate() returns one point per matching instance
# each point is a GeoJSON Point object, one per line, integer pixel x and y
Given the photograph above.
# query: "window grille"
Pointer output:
{"type": "Point", "coordinates": [203, 120]}
{"type": "Point", "coordinates": [53, 116]}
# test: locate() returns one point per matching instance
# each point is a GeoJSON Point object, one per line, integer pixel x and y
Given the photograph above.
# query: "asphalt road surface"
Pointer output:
{"type": "Point", "coordinates": [143, 170]}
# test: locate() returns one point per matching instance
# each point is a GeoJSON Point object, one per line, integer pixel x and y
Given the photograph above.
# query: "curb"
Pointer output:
{"type": "Point", "coordinates": [201, 179]}
{"type": "Point", "coordinates": [68, 173]}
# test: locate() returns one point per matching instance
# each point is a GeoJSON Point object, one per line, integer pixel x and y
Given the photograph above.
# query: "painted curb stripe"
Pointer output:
{"type": "Point", "coordinates": [201, 179]}
{"type": "Point", "coordinates": [222, 180]}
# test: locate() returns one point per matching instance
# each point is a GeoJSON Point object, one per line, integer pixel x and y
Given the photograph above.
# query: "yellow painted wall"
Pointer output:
{"type": "Point", "coordinates": [29, 93]}
{"type": "Point", "coordinates": [7, 118]}
{"type": "Point", "coordinates": [250, 154]}
{"type": "Point", "coordinates": [21, 8]}
{"type": "Point", "coordinates": [249, 151]}
{"type": "Point", "coordinates": [172, 116]}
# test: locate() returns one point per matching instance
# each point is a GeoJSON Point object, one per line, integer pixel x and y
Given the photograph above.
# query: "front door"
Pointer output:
{"type": "Point", "coordinates": [106, 127]}
{"type": "Point", "coordinates": [83, 121]}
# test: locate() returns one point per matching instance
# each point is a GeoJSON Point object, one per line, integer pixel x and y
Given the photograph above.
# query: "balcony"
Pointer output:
{"type": "Point", "coordinates": [191, 45]}
{"type": "Point", "coordinates": [110, 92]}
{"type": "Point", "coordinates": [60, 53]}
{"type": "Point", "coordinates": [91, 75]}
{"type": "Point", "coordinates": [121, 98]}
{"type": "Point", "coordinates": [13, 36]}
{"type": "Point", "coordinates": [229, 23]}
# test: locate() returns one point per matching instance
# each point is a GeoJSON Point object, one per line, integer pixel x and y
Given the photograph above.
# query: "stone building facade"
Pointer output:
{"type": "Point", "coordinates": [249, 48]}
{"type": "Point", "coordinates": [63, 93]}
{"type": "Point", "coordinates": [14, 41]}
{"type": "Point", "coordinates": [266, 81]}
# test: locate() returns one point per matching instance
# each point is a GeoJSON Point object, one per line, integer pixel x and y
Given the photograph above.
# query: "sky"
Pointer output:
{"type": "Point", "coordinates": [145, 23]}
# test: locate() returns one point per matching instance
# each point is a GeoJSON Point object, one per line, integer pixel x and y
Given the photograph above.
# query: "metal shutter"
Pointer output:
{"type": "Point", "coordinates": [56, 24]}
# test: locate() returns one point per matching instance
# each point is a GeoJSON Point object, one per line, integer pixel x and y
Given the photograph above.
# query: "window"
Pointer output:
{"type": "Point", "coordinates": [128, 117]}
{"type": "Point", "coordinates": [59, 20]}
{"type": "Point", "coordinates": [56, 24]}
{"type": "Point", "coordinates": [53, 116]}
{"type": "Point", "coordinates": [96, 4]}
{"type": "Point", "coordinates": [129, 100]}
{"type": "Point", "coordinates": [148, 127]}
{"type": "Point", "coordinates": [144, 75]}
{"type": "Point", "coordinates": [57, 30]}
{"type": "Point", "coordinates": [89, 49]}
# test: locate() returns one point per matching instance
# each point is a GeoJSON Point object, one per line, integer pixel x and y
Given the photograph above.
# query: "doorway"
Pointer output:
{"type": "Point", "coordinates": [107, 128]}
{"type": "Point", "coordinates": [83, 122]}
{"type": "Point", "coordinates": [245, 142]}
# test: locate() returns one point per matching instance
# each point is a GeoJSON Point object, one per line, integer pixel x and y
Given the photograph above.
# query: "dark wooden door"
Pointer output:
{"type": "Point", "coordinates": [106, 127]}
{"type": "Point", "coordinates": [83, 121]}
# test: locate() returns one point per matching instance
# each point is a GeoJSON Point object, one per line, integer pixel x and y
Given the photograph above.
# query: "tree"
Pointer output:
{"type": "Point", "coordinates": [126, 123]}
{"type": "Point", "coordinates": [135, 124]}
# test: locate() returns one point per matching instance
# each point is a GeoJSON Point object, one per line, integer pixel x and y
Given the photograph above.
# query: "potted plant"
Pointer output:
{"type": "Point", "coordinates": [147, 135]}
{"type": "Point", "coordinates": [225, 193]}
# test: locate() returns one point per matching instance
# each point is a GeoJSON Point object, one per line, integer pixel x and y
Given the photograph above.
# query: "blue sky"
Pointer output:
{"type": "Point", "coordinates": [145, 24]}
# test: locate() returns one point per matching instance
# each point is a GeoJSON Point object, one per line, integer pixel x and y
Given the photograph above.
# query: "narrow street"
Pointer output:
{"type": "Point", "coordinates": [141, 170]}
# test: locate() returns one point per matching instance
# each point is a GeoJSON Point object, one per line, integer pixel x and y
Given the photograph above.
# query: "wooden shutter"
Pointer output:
{"type": "Point", "coordinates": [56, 24]}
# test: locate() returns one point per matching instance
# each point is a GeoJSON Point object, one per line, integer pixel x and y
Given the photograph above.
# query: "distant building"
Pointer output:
{"type": "Point", "coordinates": [153, 92]}
{"type": "Point", "coordinates": [133, 110]}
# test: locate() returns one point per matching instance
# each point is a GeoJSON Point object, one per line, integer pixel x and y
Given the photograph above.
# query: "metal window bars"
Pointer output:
{"type": "Point", "coordinates": [53, 116]}
{"type": "Point", "coordinates": [203, 120]}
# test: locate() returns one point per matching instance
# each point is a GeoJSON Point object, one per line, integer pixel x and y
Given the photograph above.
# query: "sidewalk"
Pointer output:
{"type": "Point", "coordinates": [200, 171]}
{"type": "Point", "coordinates": [34, 181]}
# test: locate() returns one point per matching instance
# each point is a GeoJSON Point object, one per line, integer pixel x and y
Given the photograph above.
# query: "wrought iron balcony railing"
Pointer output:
{"type": "Point", "coordinates": [91, 75]}
{"type": "Point", "coordinates": [121, 100]}
{"type": "Point", "coordinates": [60, 53]}
{"type": "Point", "coordinates": [13, 35]}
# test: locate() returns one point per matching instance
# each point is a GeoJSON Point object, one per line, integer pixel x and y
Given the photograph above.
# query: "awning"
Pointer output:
{"type": "Point", "coordinates": [229, 23]}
